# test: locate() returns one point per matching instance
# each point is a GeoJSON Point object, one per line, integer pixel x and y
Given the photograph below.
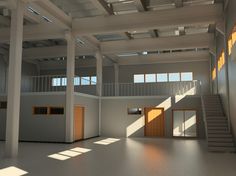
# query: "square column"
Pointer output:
{"type": "Point", "coordinates": [98, 56]}
{"type": "Point", "coordinates": [99, 85]}
{"type": "Point", "coordinates": [70, 74]}
{"type": "Point", "coordinates": [14, 80]}
{"type": "Point", "coordinates": [116, 70]}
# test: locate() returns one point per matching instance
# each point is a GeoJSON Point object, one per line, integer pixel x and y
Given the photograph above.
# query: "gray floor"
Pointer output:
{"type": "Point", "coordinates": [127, 157]}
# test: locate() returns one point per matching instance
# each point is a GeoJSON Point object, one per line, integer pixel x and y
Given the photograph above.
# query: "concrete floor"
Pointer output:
{"type": "Point", "coordinates": [127, 157]}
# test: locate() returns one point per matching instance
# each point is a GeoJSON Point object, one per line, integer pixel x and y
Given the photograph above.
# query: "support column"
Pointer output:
{"type": "Point", "coordinates": [116, 70]}
{"type": "Point", "coordinates": [70, 74]}
{"type": "Point", "coordinates": [98, 56]}
{"type": "Point", "coordinates": [14, 80]}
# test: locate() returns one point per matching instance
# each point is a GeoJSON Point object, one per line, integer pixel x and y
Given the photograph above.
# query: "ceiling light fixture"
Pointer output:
{"type": "Point", "coordinates": [47, 19]}
{"type": "Point", "coordinates": [32, 10]}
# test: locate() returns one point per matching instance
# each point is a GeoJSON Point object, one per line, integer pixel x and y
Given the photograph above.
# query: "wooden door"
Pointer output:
{"type": "Point", "coordinates": [78, 123]}
{"type": "Point", "coordinates": [154, 122]}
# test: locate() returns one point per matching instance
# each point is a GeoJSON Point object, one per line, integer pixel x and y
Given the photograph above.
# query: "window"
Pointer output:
{"type": "Point", "coordinates": [63, 81]}
{"type": "Point", "coordinates": [184, 123]}
{"type": "Point", "coordinates": [85, 80]}
{"type": "Point", "coordinates": [134, 111]}
{"type": "Point", "coordinates": [213, 74]}
{"type": "Point", "coordinates": [150, 78]}
{"type": "Point", "coordinates": [186, 76]}
{"type": "Point", "coordinates": [56, 81]}
{"type": "Point", "coordinates": [139, 78]}
{"type": "Point", "coordinates": [40, 110]}
{"type": "Point", "coordinates": [93, 80]}
{"type": "Point", "coordinates": [77, 81]}
{"type": "Point", "coordinates": [3, 105]}
{"type": "Point", "coordinates": [162, 77]}
{"type": "Point", "coordinates": [174, 77]}
{"type": "Point", "coordinates": [56, 111]}
{"type": "Point", "coordinates": [221, 61]}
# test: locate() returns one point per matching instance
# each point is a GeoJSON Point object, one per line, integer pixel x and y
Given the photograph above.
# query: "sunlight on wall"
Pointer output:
{"type": "Point", "coordinates": [107, 141]}
{"type": "Point", "coordinates": [140, 123]}
{"type": "Point", "coordinates": [67, 154]}
{"type": "Point", "coordinates": [135, 126]}
{"type": "Point", "coordinates": [189, 92]}
{"type": "Point", "coordinates": [12, 171]}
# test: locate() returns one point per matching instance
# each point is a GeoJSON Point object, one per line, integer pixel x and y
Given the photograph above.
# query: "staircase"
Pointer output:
{"type": "Point", "coordinates": [219, 137]}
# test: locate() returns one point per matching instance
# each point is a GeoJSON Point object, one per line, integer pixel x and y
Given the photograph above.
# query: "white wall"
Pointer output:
{"type": "Point", "coordinates": [91, 123]}
{"type": "Point", "coordinates": [117, 123]}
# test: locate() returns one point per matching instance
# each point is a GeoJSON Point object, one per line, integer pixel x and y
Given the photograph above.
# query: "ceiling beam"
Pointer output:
{"type": "Point", "coordinates": [136, 45]}
{"type": "Point", "coordinates": [103, 6]}
{"type": "Point", "coordinates": [188, 56]}
{"type": "Point", "coordinates": [185, 16]}
{"type": "Point", "coordinates": [161, 43]}
{"type": "Point", "coordinates": [34, 32]}
{"type": "Point", "coordinates": [5, 21]}
{"type": "Point", "coordinates": [140, 4]}
{"type": "Point", "coordinates": [179, 3]}
{"type": "Point", "coordinates": [52, 12]}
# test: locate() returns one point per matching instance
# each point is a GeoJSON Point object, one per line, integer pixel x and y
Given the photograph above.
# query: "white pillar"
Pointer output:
{"type": "Point", "coordinates": [116, 70]}
{"type": "Point", "coordinates": [98, 56]}
{"type": "Point", "coordinates": [99, 73]}
{"type": "Point", "coordinates": [70, 73]}
{"type": "Point", "coordinates": [14, 80]}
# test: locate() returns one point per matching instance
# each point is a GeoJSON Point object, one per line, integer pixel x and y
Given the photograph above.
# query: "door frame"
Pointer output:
{"type": "Point", "coordinates": [197, 123]}
{"type": "Point", "coordinates": [145, 122]}
{"type": "Point", "coordinates": [75, 140]}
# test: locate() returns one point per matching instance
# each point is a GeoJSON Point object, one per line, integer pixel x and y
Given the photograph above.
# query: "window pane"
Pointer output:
{"type": "Point", "coordinates": [178, 125]}
{"type": "Point", "coordinates": [186, 76]}
{"type": "Point", "coordinates": [56, 81]}
{"type": "Point", "coordinates": [190, 124]}
{"type": "Point", "coordinates": [93, 80]}
{"type": "Point", "coordinates": [63, 81]}
{"type": "Point", "coordinates": [77, 81]}
{"type": "Point", "coordinates": [85, 80]}
{"type": "Point", "coordinates": [162, 77]}
{"type": "Point", "coordinates": [174, 77]}
{"type": "Point", "coordinates": [150, 78]}
{"type": "Point", "coordinates": [139, 78]}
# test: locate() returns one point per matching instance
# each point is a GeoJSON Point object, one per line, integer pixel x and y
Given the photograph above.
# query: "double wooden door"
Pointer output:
{"type": "Point", "coordinates": [78, 123]}
{"type": "Point", "coordinates": [154, 122]}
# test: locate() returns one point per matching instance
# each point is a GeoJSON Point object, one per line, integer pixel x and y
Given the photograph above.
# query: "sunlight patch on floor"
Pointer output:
{"type": "Point", "coordinates": [107, 141]}
{"type": "Point", "coordinates": [67, 154]}
{"type": "Point", "coordinates": [12, 171]}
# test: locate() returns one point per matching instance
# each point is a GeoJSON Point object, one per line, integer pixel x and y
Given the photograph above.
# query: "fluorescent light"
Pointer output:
{"type": "Point", "coordinates": [32, 10]}
{"type": "Point", "coordinates": [80, 41]}
{"type": "Point", "coordinates": [144, 53]}
{"type": "Point", "coordinates": [127, 54]}
{"type": "Point", "coordinates": [47, 19]}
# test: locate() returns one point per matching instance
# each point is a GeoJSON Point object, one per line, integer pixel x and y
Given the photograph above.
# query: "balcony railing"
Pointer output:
{"type": "Point", "coordinates": [152, 89]}
{"type": "Point", "coordinates": [55, 83]}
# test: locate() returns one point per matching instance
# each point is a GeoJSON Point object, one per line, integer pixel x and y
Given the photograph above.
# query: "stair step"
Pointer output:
{"type": "Point", "coordinates": [217, 124]}
{"type": "Point", "coordinates": [216, 118]}
{"type": "Point", "coordinates": [217, 132]}
{"type": "Point", "coordinates": [219, 136]}
{"type": "Point", "coordinates": [222, 149]}
{"type": "Point", "coordinates": [221, 144]}
{"type": "Point", "coordinates": [218, 128]}
{"type": "Point", "coordinates": [220, 139]}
